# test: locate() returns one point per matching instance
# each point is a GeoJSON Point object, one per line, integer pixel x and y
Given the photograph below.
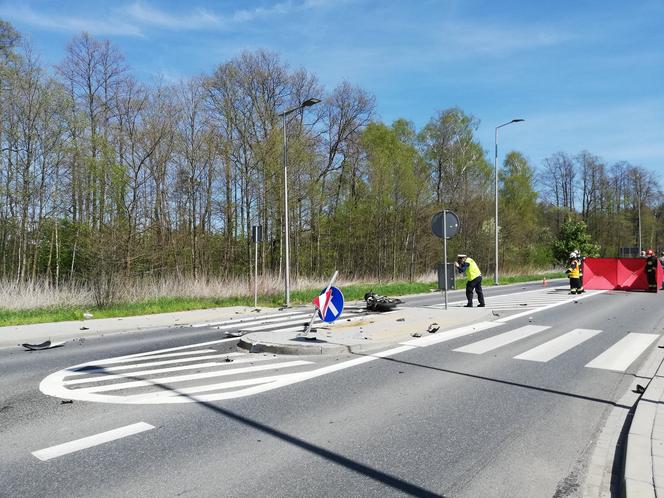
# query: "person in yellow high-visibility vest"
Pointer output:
{"type": "Point", "coordinates": [574, 273]}
{"type": "Point", "coordinates": [473, 274]}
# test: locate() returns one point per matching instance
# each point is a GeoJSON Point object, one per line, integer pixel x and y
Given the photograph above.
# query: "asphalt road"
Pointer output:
{"type": "Point", "coordinates": [421, 421]}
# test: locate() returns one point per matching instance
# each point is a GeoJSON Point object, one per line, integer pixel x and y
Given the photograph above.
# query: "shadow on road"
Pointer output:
{"type": "Point", "coordinates": [375, 474]}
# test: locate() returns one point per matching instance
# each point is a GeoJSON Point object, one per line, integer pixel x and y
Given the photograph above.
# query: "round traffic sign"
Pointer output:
{"type": "Point", "coordinates": [330, 304]}
{"type": "Point", "coordinates": [445, 217]}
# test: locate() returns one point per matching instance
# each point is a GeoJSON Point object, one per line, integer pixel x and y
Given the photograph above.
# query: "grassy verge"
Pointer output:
{"type": "Point", "coordinates": [169, 304]}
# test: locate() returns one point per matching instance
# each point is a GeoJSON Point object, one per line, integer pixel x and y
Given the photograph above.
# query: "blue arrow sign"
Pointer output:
{"type": "Point", "coordinates": [330, 304]}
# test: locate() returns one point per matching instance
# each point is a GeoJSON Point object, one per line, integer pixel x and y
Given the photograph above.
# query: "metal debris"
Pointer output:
{"type": "Point", "coordinates": [640, 389]}
{"type": "Point", "coordinates": [43, 345]}
{"type": "Point", "coordinates": [228, 360]}
{"type": "Point", "coordinates": [433, 328]}
{"type": "Point", "coordinates": [401, 319]}
{"type": "Point", "coordinates": [66, 401]}
{"type": "Point", "coordinates": [416, 334]}
{"type": "Point", "coordinates": [494, 313]}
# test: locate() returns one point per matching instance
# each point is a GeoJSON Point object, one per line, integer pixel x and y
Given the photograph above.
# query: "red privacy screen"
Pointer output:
{"type": "Point", "coordinates": [617, 273]}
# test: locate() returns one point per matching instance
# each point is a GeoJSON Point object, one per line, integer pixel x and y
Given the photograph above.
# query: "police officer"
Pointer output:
{"type": "Point", "coordinates": [574, 274]}
{"type": "Point", "coordinates": [473, 274]}
{"type": "Point", "coordinates": [651, 270]}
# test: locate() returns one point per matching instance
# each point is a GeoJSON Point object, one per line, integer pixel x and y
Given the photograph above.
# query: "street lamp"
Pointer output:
{"type": "Point", "coordinates": [306, 103]}
{"type": "Point", "coordinates": [495, 167]}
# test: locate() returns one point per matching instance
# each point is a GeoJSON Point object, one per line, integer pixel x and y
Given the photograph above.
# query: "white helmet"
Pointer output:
{"type": "Point", "coordinates": [572, 254]}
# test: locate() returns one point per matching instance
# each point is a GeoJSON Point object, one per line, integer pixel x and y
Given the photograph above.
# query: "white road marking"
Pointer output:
{"type": "Point", "coordinates": [450, 334]}
{"type": "Point", "coordinates": [93, 366]}
{"type": "Point", "coordinates": [623, 353]}
{"type": "Point", "coordinates": [258, 328]}
{"type": "Point", "coordinates": [275, 321]}
{"type": "Point", "coordinates": [569, 299]}
{"type": "Point", "coordinates": [183, 378]}
{"type": "Point", "coordinates": [555, 347]}
{"type": "Point", "coordinates": [209, 364]}
{"type": "Point", "coordinates": [503, 339]}
{"type": "Point", "coordinates": [247, 319]}
{"type": "Point", "coordinates": [90, 441]}
{"type": "Point", "coordinates": [178, 348]}
{"type": "Point", "coordinates": [125, 359]}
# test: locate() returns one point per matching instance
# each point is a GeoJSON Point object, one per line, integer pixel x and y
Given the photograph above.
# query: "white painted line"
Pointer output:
{"type": "Point", "coordinates": [129, 375]}
{"type": "Point", "coordinates": [91, 369]}
{"type": "Point", "coordinates": [569, 299]}
{"type": "Point", "coordinates": [178, 348]}
{"type": "Point", "coordinates": [621, 355]}
{"type": "Point", "coordinates": [183, 378]}
{"type": "Point", "coordinates": [450, 334]}
{"type": "Point", "coordinates": [258, 328]}
{"type": "Point", "coordinates": [285, 319]}
{"type": "Point", "coordinates": [90, 441]}
{"type": "Point", "coordinates": [113, 361]}
{"type": "Point", "coordinates": [555, 347]}
{"type": "Point", "coordinates": [246, 319]}
{"type": "Point", "coordinates": [500, 340]}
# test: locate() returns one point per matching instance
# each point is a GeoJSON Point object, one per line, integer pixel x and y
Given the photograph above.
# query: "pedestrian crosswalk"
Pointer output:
{"type": "Point", "coordinates": [526, 300]}
{"type": "Point", "coordinates": [203, 372]}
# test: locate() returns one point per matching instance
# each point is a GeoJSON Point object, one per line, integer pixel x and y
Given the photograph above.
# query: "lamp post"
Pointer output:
{"type": "Point", "coordinates": [306, 103]}
{"type": "Point", "coordinates": [495, 167]}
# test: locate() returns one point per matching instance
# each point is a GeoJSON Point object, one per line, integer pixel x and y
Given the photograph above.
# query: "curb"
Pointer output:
{"type": "Point", "coordinates": [644, 456]}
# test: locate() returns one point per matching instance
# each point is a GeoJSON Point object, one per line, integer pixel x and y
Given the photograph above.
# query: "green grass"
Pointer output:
{"type": "Point", "coordinates": [170, 304]}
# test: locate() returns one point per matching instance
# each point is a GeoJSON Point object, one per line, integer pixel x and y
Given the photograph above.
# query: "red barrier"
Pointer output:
{"type": "Point", "coordinates": [617, 273]}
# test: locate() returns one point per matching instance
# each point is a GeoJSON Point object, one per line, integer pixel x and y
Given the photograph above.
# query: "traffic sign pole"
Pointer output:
{"type": "Point", "coordinates": [313, 316]}
{"type": "Point", "coordinates": [445, 253]}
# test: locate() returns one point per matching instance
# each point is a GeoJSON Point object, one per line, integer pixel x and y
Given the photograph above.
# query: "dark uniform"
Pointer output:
{"type": "Point", "coordinates": [651, 271]}
{"type": "Point", "coordinates": [574, 273]}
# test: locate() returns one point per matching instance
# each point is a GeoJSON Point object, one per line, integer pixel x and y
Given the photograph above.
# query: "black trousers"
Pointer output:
{"type": "Point", "coordinates": [575, 285]}
{"type": "Point", "coordinates": [652, 280]}
{"type": "Point", "coordinates": [475, 284]}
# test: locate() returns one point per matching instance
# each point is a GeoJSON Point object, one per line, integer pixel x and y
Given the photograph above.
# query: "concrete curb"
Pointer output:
{"type": "Point", "coordinates": [644, 459]}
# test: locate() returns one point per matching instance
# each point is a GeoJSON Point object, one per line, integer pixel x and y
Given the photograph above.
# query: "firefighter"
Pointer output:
{"type": "Point", "coordinates": [651, 270]}
{"type": "Point", "coordinates": [580, 259]}
{"type": "Point", "coordinates": [574, 274]}
{"type": "Point", "coordinates": [661, 262]}
{"type": "Point", "coordinates": [473, 274]}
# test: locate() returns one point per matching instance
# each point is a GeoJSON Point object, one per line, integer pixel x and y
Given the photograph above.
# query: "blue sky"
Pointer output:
{"type": "Point", "coordinates": [583, 74]}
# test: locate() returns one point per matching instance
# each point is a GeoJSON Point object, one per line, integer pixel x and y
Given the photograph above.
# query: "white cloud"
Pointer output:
{"type": "Point", "coordinates": [68, 23]}
{"type": "Point", "coordinates": [199, 18]}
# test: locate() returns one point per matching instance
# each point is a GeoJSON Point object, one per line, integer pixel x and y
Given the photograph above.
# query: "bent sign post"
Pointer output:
{"type": "Point", "coordinates": [328, 305]}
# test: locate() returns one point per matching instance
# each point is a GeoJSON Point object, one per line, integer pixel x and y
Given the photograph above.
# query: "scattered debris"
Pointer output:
{"type": "Point", "coordinates": [376, 302]}
{"type": "Point", "coordinates": [228, 360]}
{"type": "Point", "coordinates": [87, 315]}
{"type": "Point", "coordinates": [401, 319]}
{"type": "Point", "coordinates": [84, 328]}
{"type": "Point", "coordinates": [400, 371]}
{"type": "Point", "coordinates": [66, 401]}
{"type": "Point", "coordinates": [530, 318]}
{"type": "Point", "coordinates": [640, 389]}
{"type": "Point", "coordinates": [416, 334]}
{"type": "Point", "coordinates": [494, 313]}
{"type": "Point", "coordinates": [43, 345]}
{"type": "Point", "coordinates": [660, 346]}
{"type": "Point", "coordinates": [523, 304]}
{"type": "Point", "coordinates": [433, 328]}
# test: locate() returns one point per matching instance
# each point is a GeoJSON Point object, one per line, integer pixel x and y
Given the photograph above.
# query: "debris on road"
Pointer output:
{"type": "Point", "coordinates": [416, 334]}
{"type": "Point", "coordinates": [228, 360]}
{"type": "Point", "coordinates": [84, 328]}
{"type": "Point", "coordinates": [433, 328]}
{"type": "Point", "coordinates": [66, 401]}
{"type": "Point", "coordinates": [494, 313]}
{"type": "Point", "coordinates": [401, 319]}
{"type": "Point", "coordinates": [376, 302]}
{"type": "Point", "coordinates": [640, 389]}
{"type": "Point", "coordinates": [43, 345]}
